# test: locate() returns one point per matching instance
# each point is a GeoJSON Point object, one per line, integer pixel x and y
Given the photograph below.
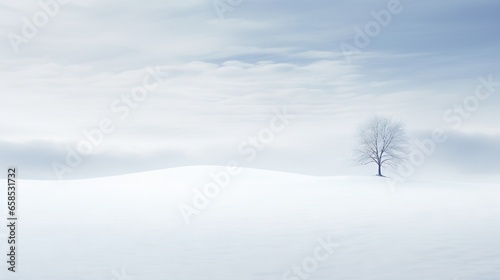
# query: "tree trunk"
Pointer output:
{"type": "Point", "coordinates": [380, 170]}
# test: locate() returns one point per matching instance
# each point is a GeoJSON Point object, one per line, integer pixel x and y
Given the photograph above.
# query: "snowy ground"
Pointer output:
{"type": "Point", "coordinates": [264, 223]}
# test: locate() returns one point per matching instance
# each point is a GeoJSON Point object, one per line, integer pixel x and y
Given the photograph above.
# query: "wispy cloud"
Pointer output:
{"type": "Point", "coordinates": [227, 75]}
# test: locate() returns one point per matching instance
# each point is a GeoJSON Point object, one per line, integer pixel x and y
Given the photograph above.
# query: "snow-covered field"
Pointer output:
{"type": "Point", "coordinates": [259, 227]}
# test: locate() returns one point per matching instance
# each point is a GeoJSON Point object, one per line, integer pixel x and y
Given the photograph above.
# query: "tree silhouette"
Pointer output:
{"type": "Point", "coordinates": [382, 141]}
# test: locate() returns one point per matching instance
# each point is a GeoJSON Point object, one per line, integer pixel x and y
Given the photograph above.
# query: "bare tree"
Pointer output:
{"type": "Point", "coordinates": [382, 141]}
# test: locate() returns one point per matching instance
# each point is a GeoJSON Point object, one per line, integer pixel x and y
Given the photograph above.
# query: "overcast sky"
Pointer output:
{"type": "Point", "coordinates": [222, 78]}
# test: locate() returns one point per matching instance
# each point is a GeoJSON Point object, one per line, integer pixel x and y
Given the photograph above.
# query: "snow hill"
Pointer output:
{"type": "Point", "coordinates": [259, 227]}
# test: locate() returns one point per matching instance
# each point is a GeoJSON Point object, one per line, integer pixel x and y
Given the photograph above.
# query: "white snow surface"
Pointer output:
{"type": "Point", "coordinates": [262, 224]}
